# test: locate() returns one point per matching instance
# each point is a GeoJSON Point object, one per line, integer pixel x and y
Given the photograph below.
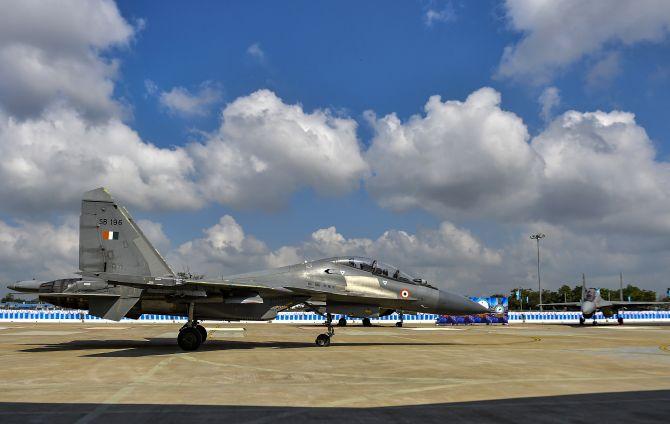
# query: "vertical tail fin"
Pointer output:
{"type": "Point", "coordinates": [110, 241]}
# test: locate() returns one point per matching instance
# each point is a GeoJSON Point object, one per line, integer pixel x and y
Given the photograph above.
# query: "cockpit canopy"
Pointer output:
{"type": "Point", "coordinates": [590, 295]}
{"type": "Point", "coordinates": [378, 268]}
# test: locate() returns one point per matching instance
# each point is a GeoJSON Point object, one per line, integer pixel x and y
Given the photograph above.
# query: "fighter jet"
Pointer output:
{"type": "Point", "coordinates": [135, 279]}
{"type": "Point", "coordinates": [591, 302]}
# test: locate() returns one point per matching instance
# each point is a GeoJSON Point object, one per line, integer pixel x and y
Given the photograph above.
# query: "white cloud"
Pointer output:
{"type": "Point", "coordinates": [460, 157]}
{"type": "Point", "coordinates": [50, 52]}
{"type": "Point", "coordinates": [592, 170]}
{"type": "Point", "coordinates": [449, 255]}
{"type": "Point", "coordinates": [266, 149]}
{"type": "Point", "coordinates": [557, 34]}
{"type": "Point", "coordinates": [49, 162]}
{"type": "Point", "coordinates": [180, 101]}
{"type": "Point", "coordinates": [601, 172]}
{"type": "Point", "coordinates": [38, 250]}
{"type": "Point", "coordinates": [256, 52]}
{"type": "Point", "coordinates": [549, 100]}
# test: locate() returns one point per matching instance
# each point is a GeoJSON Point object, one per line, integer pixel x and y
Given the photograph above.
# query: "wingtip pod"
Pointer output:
{"type": "Point", "coordinates": [100, 194]}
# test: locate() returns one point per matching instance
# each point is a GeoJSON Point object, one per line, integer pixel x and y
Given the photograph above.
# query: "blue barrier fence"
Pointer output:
{"type": "Point", "coordinates": [309, 317]}
{"type": "Point", "coordinates": [569, 317]}
{"type": "Point", "coordinates": [282, 317]}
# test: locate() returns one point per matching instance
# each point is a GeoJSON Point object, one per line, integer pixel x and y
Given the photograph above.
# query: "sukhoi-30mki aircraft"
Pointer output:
{"type": "Point", "coordinates": [591, 302]}
{"type": "Point", "coordinates": [130, 278]}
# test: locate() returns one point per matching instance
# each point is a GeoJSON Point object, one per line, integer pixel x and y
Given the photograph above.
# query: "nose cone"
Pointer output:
{"type": "Point", "coordinates": [28, 286]}
{"type": "Point", "coordinates": [449, 303]}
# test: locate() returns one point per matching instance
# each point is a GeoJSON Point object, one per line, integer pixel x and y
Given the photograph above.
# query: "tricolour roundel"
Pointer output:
{"type": "Point", "coordinates": [404, 294]}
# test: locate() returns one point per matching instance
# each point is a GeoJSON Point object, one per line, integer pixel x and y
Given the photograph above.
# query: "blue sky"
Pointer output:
{"type": "Point", "coordinates": [352, 57]}
{"type": "Point", "coordinates": [485, 167]}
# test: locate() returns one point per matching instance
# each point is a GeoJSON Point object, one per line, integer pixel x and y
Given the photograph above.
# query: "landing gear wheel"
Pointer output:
{"type": "Point", "coordinates": [323, 340]}
{"type": "Point", "coordinates": [581, 320]}
{"type": "Point", "coordinates": [398, 324]}
{"type": "Point", "coordinates": [189, 338]}
{"type": "Point", "coordinates": [366, 322]}
{"type": "Point", "coordinates": [620, 321]}
{"type": "Point", "coordinates": [594, 322]}
{"type": "Point", "coordinates": [342, 322]}
{"type": "Point", "coordinates": [203, 332]}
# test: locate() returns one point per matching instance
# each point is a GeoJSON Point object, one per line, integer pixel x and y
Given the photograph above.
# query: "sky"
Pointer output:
{"type": "Point", "coordinates": [434, 135]}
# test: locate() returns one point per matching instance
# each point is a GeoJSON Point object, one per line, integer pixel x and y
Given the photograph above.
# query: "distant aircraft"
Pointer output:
{"type": "Point", "coordinates": [591, 302]}
{"type": "Point", "coordinates": [128, 277]}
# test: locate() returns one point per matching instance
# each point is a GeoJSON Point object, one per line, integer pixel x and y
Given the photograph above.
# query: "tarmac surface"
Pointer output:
{"type": "Point", "coordinates": [257, 373]}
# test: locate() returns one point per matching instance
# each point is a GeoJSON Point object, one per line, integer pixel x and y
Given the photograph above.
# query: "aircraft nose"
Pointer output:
{"type": "Point", "coordinates": [449, 303]}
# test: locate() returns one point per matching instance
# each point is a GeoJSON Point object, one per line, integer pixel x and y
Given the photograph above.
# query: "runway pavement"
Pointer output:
{"type": "Point", "coordinates": [275, 373]}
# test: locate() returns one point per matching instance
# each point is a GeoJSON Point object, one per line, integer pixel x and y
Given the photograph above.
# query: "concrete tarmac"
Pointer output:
{"type": "Point", "coordinates": [274, 373]}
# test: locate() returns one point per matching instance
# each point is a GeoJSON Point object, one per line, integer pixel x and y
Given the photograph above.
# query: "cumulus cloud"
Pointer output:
{"type": "Point", "coordinates": [51, 52]}
{"type": "Point", "coordinates": [50, 161]}
{"type": "Point", "coordinates": [595, 170]}
{"type": "Point", "coordinates": [180, 101]}
{"type": "Point", "coordinates": [549, 99]}
{"type": "Point", "coordinates": [600, 171]}
{"type": "Point", "coordinates": [266, 149]}
{"type": "Point", "coordinates": [38, 250]}
{"type": "Point", "coordinates": [460, 156]}
{"type": "Point", "coordinates": [450, 256]}
{"type": "Point", "coordinates": [557, 34]}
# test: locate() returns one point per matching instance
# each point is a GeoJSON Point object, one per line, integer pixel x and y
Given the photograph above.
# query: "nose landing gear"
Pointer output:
{"type": "Point", "coordinates": [323, 340]}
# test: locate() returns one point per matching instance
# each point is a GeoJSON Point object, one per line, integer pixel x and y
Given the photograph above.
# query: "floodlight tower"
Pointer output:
{"type": "Point", "coordinates": [537, 237]}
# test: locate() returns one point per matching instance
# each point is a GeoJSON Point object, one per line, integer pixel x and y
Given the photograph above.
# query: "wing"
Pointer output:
{"type": "Point", "coordinates": [624, 303]}
{"type": "Point", "coordinates": [105, 305]}
{"type": "Point", "coordinates": [568, 304]}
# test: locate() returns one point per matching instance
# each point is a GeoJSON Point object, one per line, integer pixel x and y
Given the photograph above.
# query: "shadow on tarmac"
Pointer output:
{"type": "Point", "coordinates": [156, 347]}
{"type": "Point", "coordinates": [637, 407]}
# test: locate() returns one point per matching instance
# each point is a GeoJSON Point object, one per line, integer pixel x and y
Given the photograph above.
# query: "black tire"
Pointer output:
{"type": "Point", "coordinates": [323, 340]}
{"type": "Point", "coordinates": [342, 322]}
{"type": "Point", "coordinates": [581, 321]}
{"type": "Point", "coordinates": [366, 322]}
{"type": "Point", "coordinates": [398, 324]}
{"type": "Point", "coordinates": [189, 338]}
{"type": "Point", "coordinates": [620, 321]}
{"type": "Point", "coordinates": [594, 322]}
{"type": "Point", "coordinates": [203, 332]}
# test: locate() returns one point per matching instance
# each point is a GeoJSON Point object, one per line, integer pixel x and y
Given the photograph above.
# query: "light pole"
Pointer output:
{"type": "Point", "coordinates": [537, 238]}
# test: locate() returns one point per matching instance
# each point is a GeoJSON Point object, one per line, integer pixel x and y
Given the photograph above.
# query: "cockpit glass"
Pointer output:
{"type": "Point", "coordinates": [376, 268]}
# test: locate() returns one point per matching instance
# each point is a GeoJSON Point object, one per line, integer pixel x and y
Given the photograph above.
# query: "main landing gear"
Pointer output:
{"type": "Point", "coordinates": [581, 320]}
{"type": "Point", "coordinates": [342, 322]}
{"type": "Point", "coordinates": [620, 320]}
{"type": "Point", "coordinates": [192, 334]}
{"type": "Point", "coordinates": [366, 322]}
{"type": "Point", "coordinates": [323, 340]}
